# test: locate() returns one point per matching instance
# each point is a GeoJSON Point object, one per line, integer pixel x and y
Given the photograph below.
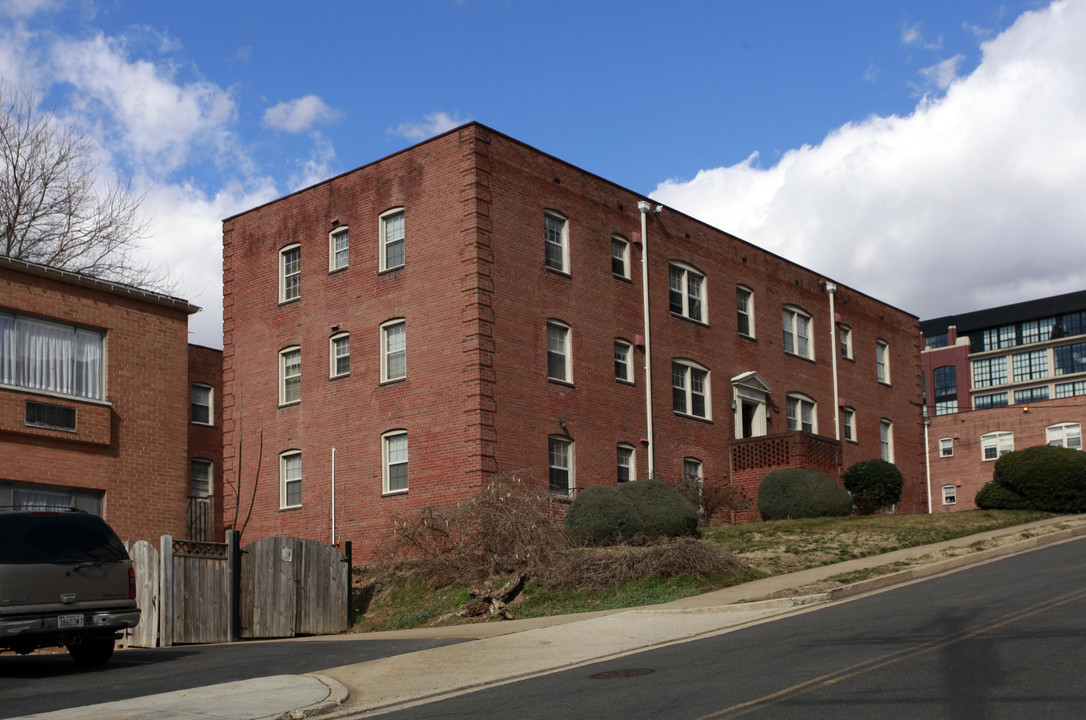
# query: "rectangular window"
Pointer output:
{"type": "Point", "coordinates": [995, 445]}
{"type": "Point", "coordinates": [338, 247]}
{"type": "Point", "coordinates": [1071, 389]}
{"type": "Point", "coordinates": [1031, 365]}
{"type": "Point", "coordinates": [985, 402]}
{"type": "Point", "coordinates": [1000, 337]}
{"type": "Point", "coordinates": [936, 341]}
{"type": "Point", "coordinates": [989, 372]}
{"type": "Point", "coordinates": [290, 273]}
{"type": "Point", "coordinates": [1070, 359]}
{"type": "Point", "coordinates": [848, 419]}
{"type": "Point", "coordinates": [558, 355]}
{"type": "Point", "coordinates": [1068, 435]}
{"type": "Point", "coordinates": [290, 376]}
{"type": "Point", "coordinates": [686, 294]}
{"type": "Point", "coordinates": [946, 447]}
{"type": "Point", "coordinates": [690, 389]}
{"type": "Point", "coordinates": [395, 462]}
{"type": "Point", "coordinates": [560, 453]}
{"type": "Point", "coordinates": [199, 478]}
{"type": "Point", "coordinates": [49, 416]}
{"type": "Point", "coordinates": [692, 471]}
{"type": "Point", "coordinates": [886, 439]}
{"type": "Point", "coordinates": [845, 334]}
{"type": "Point", "coordinates": [625, 462]}
{"type": "Point", "coordinates": [1029, 395]}
{"type": "Point", "coordinates": [797, 333]}
{"type": "Point", "coordinates": [744, 302]}
{"type": "Point", "coordinates": [882, 361]}
{"type": "Point", "coordinates": [556, 242]}
{"type": "Point", "coordinates": [950, 495]}
{"type": "Point", "coordinates": [339, 355]}
{"type": "Point", "coordinates": [1037, 330]}
{"type": "Point", "coordinates": [620, 258]}
{"type": "Point", "coordinates": [801, 414]}
{"type": "Point", "coordinates": [201, 412]}
{"type": "Point", "coordinates": [290, 479]}
{"type": "Point", "coordinates": [946, 389]}
{"type": "Point", "coordinates": [393, 350]}
{"type": "Point", "coordinates": [51, 357]}
{"type": "Point", "coordinates": [623, 354]}
{"type": "Point", "coordinates": [393, 251]}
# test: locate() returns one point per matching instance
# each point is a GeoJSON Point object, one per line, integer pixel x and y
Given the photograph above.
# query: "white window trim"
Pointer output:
{"type": "Point", "coordinates": [946, 443]}
{"type": "Point", "coordinates": [750, 309]}
{"type": "Point", "coordinates": [886, 439]}
{"type": "Point", "coordinates": [627, 348]}
{"type": "Point", "coordinates": [382, 221]}
{"type": "Point", "coordinates": [283, 272]}
{"type": "Point", "coordinates": [333, 358]}
{"type": "Point", "coordinates": [845, 345]}
{"type": "Point", "coordinates": [283, 376]}
{"type": "Point", "coordinates": [688, 389]}
{"type": "Point", "coordinates": [625, 256]}
{"type": "Point", "coordinates": [793, 314]}
{"type": "Point", "coordinates": [998, 441]}
{"type": "Point", "coordinates": [632, 467]}
{"type": "Point", "coordinates": [385, 352]}
{"type": "Point", "coordinates": [283, 478]}
{"type": "Point", "coordinates": [951, 497]}
{"type": "Point", "coordinates": [386, 464]}
{"type": "Point", "coordinates": [332, 236]}
{"type": "Point", "coordinates": [882, 361]}
{"type": "Point", "coordinates": [697, 474]}
{"type": "Point", "coordinates": [848, 422]}
{"type": "Point", "coordinates": [702, 295]}
{"type": "Point", "coordinates": [801, 400]}
{"type": "Point", "coordinates": [210, 476]}
{"type": "Point", "coordinates": [564, 238]}
{"type": "Point", "coordinates": [210, 405]}
{"type": "Point", "coordinates": [567, 350]}
{"type": "Point", "coordinates": [571, 484]}
{"type": "Point", "coordinates": [1062, 441]}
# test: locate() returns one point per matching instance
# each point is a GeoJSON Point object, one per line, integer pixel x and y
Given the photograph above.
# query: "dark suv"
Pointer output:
{"type": "Point", "coordinates": [65, 581]}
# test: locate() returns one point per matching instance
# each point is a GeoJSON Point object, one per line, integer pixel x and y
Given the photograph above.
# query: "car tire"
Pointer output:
{"type": "Point", "coordinates": [92, 651]}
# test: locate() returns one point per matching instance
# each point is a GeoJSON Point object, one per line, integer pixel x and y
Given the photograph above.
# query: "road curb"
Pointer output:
{"type": "Point", "coordinates": [337, 695]}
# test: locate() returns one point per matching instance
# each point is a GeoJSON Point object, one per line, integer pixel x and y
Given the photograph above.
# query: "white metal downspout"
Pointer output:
{"type": "Point", "coordinates": [645, 207]}
{"type": "Point", "coordinates": [333, 496]}
{"type": "Point", "coordinates": [831, 289]}
{"type": "Point", "coordinates": [927, 456]}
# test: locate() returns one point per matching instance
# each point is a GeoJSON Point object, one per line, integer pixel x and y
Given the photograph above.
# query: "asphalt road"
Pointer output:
{"type": "Point", "coordinates": [1001, 640]}
{"type": "Point", "coordinates": [41, 683]}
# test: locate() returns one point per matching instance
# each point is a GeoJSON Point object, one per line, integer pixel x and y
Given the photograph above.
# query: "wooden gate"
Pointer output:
{"type": "Point", "coordinates": [291, 586]}
{"type": "Point", "coordinates": [196, 592]}
{"type": "Point", "coordinates": [145, 563]}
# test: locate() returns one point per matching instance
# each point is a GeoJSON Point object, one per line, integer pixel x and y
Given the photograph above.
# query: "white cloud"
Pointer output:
{"type": "Point", "coordinates": [300, 114]}
{"type": "Point", "coordinates": [942, 74]}
{"type": "Point", "coordinates": [973, 200]}
{"type": "Point", "coordinates": [433, 124]}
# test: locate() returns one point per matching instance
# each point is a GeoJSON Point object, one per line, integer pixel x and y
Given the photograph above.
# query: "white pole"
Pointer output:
{"type": "Point", "coordinates": [645, 208]}
{"type": "Point", "coordinates": [831, 289]}
{"type": "Point", "coordinates": [333, 496]}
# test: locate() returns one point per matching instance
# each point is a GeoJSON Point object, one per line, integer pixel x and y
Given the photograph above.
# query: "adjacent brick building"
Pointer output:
{"type": "Point", "coordinates": [998, 380]}
{"type": "Point", "coordinates": [95, 400]}
{"type": "Point", "coordinates": [471, 306]}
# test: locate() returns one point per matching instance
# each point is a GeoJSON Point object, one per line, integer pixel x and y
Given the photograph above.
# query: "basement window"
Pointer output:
{"type": "Point", "coordinates": [50, 417]}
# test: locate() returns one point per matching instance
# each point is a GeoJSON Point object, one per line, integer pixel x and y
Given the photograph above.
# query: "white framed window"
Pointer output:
{"type": "Point", "coordinates": [290, 273]}
{"type": "Point", "coordinates": [1068, 435]}
{"type": "Point", "coordinates": [686, 293]}
{"type": "Point", "coordinates": [946, 447]}
{"type": "Point", "coordinates": [623, 360]}
{"type": "Point", "coordinates": [996, 444]}
{"type": "Point", "coordinates": [797, 332]}
{"type": "Point", "coordinates": [802, 413]}
{"type": "Point", "coordinates": [886, 439]}
{"type": "Point", "coordinates": [690, 389]}
{"type": "Point", "coordinates": [692, 470]}
{"type": "Point", "coordinates": [202, 404]}
{"type": "Point", "coordinates": [560, 462]}
{"type": "Point", "coordinates": [200, 478]}
{"type": "Point", "coordinates": [950, 495]}
{"type": "Point", "coordinates": [393, 239]}
{"type": "Point", "coordinates": [620, 257]}
{"type": "Point", "coordinates": [339, 243]}
{"type": "Point", "coordinates": [625, 453]}
{"type": "Point", "coordinates": [848, 422]}
{"type": "Point", "coordinates": [844, 333]}
{"type": "Point", "coordinates": [394, 461]}
{"type": "Point", "coordinates": [394, 350]}
{"type": "Point", "coordinates": [556, 241]}
{"type": "Point", "coordinates": [290, 479]}
{"type": "Point", "coordinates": [339, 355]}
{"type": "Point", "coordinates": [744, 306]}
{"type": "Point", "coordinates": [882, 361]}
{"type": "Point", "coordinates": [52, 357]}
{"type": "Point", "coordinates": [290, 375]}
{"type": "Point", "coordinates": [559, 355]}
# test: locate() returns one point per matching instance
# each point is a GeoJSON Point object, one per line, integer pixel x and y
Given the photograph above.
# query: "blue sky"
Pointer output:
{"type": "Point", "coordinates": [932, 154]}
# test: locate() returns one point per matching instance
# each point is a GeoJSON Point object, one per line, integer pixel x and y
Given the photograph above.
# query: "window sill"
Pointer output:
{"type": "Point", "coordinates": [285, 508]}
{"type": "Point", "coordinates": [340, 376]}
{"type": "Point", "coordinates": [393, 493]}
{"type": "Point", "coordinates": [623, 381]}
{"type": "Point", "coordinates": [680, 316]}
{"type": "Point", "coordinates": [290, 404]}
{"type": "Point", "coordinates": [333, 271]}
{"type": "Point", "coordinates": [385, 271]}
{"type": "Point", "coordinates": [885, 383]}
{"type": "Point", "coordinates": [393, 381]}
{"type": "Point", "coordinates": [708, 421]}
{"type": "Point", "coordinates": [200, 424]}
{"type": "Point", "coordinates": [799, 357]}
{"type": "Point", "coordinates": [744, 336]}
{"type": "Point", "coordinates": [556, 381]}
{"type": "Point", "coordinates": [623, 278]}
{"type": "Point", "coordinates": [556, 271]}
{"type": "Point", "coordinates": [290, 302]}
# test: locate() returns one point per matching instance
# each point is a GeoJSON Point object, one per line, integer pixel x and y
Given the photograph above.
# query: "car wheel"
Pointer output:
{"type": "Point", "coordinates": [92, 651]}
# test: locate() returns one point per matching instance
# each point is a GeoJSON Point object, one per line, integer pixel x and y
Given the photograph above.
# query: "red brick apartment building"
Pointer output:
{"type": "Point", "coordinates": [998, 380]}
{"type": "Point", "coordinates": [96, 393]}
{"type": "Point", "coordinates": [471, 306]}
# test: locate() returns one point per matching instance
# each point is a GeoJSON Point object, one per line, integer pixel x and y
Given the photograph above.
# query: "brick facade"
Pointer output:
{"type": "Point", "coordinates": [476, 299]}
{"type": "Point", "coordinates": [205, 443]}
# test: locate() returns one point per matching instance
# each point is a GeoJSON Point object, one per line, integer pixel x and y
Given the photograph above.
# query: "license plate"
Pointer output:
{"type": "Point", "coordinates": [67, 621]}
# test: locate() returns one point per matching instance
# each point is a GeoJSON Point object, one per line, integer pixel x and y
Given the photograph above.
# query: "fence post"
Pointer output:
{"type": "Point", "coordinates": [165, 592]}
{"type": "Point", "coordinates": [233, 564]}
{"type": "Point", "coordinates": [350, 584]}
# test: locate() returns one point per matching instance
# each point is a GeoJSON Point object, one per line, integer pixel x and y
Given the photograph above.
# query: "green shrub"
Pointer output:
{"type": "Point", "coordinates": [796, 493]}
{"type": "Point", "coordinates": [663, 511]}
{"type": "Point", "coordinates": [1048, 478]}
{"type": "Point", "coordinates": [874, 484]}
{"type": "Point", "coordinates": [601, 514]}
{"type": "Point", "coordinates": [994, 496]}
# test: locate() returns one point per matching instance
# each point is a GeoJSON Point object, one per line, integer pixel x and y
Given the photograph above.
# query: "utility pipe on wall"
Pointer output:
{"type": "Point", "coordinates": [333, 496]}
{"type": "Point", "coordinates": [831, 289]}
{"type": "Point", "coordinates": [645, 207]}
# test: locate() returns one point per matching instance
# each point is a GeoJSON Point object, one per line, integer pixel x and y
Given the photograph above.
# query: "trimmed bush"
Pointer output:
{"type": "Point", "coordinates": [601, 514]}
{"type": "Point", "coordinates": [994, 496]}
{"type": "Point", "coordinates": [796, 493]}
{"type": "Point", "coordinates": [663, 511]}
{"type": "Point", "coordinates": [874, 484]}
{"type": "Point", "coordinates": [1047, 478]}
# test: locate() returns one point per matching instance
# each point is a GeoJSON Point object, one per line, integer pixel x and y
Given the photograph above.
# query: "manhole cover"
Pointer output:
{"type": "Point", "coordinates": [625, 673]}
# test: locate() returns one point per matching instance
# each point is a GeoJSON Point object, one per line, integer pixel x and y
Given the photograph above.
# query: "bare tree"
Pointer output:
{"type": "Point", "coordinates": [52, 208]}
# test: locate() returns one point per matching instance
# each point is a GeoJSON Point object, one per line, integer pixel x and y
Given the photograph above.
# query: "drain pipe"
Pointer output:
{"type": "Point", "coordinates": [927, 457]}
{"type": "Point", "coordinates": [333, 496]}
{"type": "Point", "coordinates": [830, 290]}
{"type": "Point", "coordinates": [645, 207]}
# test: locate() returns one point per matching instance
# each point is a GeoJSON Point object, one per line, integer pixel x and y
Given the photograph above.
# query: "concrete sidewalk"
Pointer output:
{"type": "Point", "coordinates": [513, 650]}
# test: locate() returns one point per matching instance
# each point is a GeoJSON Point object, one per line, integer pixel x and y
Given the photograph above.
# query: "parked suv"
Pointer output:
{"type": "Point", "coordinates": [65, 581]}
